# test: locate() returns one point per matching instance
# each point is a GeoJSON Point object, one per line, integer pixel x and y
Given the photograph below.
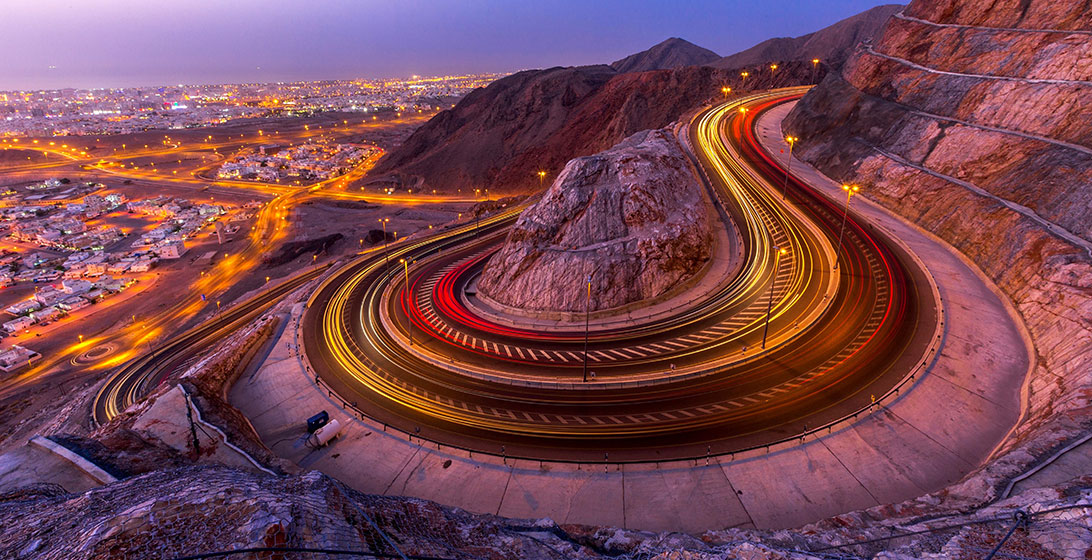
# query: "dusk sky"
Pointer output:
{"type": "Point", "coordinates": [116, 43]}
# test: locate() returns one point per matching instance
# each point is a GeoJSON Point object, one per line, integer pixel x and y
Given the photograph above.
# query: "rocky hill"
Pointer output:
{"type": "Point", "coordinates": [832, 45]}
{"type": "Point", "coordinates": [672, 53]}
{"type": "Point", "coordinates": [633, 218]}
{"type": "Point", "coordinates": [974, 121]}
{"type": "Point", "coordinates": [500, 136]}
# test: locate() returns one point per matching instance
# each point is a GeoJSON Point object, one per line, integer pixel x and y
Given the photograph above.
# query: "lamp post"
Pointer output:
{"type": "Point", "coordinates": [778, 251]}
{"type": "Point", "coordinates": [386, 254]}
{"type": "Point", "coordinates": [477, 214]}
{"type": "Point", "coordinates": [814, 68]}
{"type": "Point", "coordinates": [850, 191]}
{"type": "Point", "coordinates": [773, 68]}
{"type": "Point", "coordinates": [744, 75]}
{"type": "Point", "coordinates": [587, 311]}
{"type": "Point", "coordinates": [541, 176]}
{"type": "Point", "coordinates": [409, 320]}
{"type": "Point", "coordinates": [726, 90]}
{"type": "Point", "coordinates": [792, 142]}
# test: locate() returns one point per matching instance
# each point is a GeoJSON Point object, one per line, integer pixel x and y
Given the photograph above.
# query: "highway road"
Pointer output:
{"type": "Point", "coordinates": [691, 384]}
{"type": "Point", "coordinates": [141, 376]}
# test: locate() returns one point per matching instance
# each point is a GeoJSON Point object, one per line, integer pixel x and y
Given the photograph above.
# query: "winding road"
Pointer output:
{"type": "Point", "coordinates": [405, 343]}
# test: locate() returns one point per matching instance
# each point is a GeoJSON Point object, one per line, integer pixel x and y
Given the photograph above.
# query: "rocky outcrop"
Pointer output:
{"type": "Point", "coordinates": [498, 137]}
{"type": "Point", "coordinates": [633, 218]}
{"type": "Point", "coordinates": [196, 510]}
{"type": "Point", "coordinates": [973, 121]}
{"type": "Point", "coordinates": [832, 45]}
{"type": "Point", "coordinates": [672, 53]}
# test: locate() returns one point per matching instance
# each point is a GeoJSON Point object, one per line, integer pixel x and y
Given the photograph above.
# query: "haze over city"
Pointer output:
{"type": "Point", "coordinates": [487, 280]}
{"type": "Point", "coordinates": [123, 43]}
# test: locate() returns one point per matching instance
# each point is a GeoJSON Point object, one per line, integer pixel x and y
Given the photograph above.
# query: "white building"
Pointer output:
{"type": "Point", "coordinates": [17, 324]}
{"type": "Point", "coordinates": [171, 250]}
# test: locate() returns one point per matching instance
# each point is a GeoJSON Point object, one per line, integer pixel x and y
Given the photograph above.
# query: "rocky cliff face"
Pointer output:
{"type": "Point", "coordinates": [975, 121]}
{"type": "Point", "coordinates": [832, 45]}
{"type": "Point", "coordinates": [500, 136]}
{"type": "Point", "coordinates": [633, 218]}
{"type": "Point", "coordinates": [672, 53]}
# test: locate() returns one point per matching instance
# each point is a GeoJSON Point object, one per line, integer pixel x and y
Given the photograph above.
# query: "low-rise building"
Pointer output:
{"type": "Point", "coordinates": [24, 307]}
{"type": "Point", "coordinates": [17, 357]}
{"type": "Point", "coordinates": [46, 314]}
{"type": "Point", "coordinates": [17, 324]}
{"type": "Point", "coordinates": [171, 250]}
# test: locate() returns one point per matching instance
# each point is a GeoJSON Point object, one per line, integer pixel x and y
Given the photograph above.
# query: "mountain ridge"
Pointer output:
{"type": "Point", "coordinates": [668, 54]}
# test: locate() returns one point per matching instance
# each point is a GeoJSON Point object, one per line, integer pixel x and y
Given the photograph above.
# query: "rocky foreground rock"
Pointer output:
{"type": "Point", "coordinates": [973, 120]}
{"type": "Point", "coordinates": [633, 218]}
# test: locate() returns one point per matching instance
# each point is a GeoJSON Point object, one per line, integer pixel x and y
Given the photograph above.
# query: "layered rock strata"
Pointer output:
{"type": "Point", "coordinates": [975, 121]}
{"type": "Point", "coordinates": [632, 218]}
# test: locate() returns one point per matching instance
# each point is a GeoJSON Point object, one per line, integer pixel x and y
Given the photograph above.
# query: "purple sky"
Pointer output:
{"type": "Point", "coordinates": [112, 43]}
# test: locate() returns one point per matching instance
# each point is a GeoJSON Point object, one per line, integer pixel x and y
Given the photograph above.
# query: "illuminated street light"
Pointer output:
{"type": "Point", "coordinates": [409, 320]}
{"type": "Point", "coordinates": [541, 176]}
{"type": "Point", "coordinates": [587, 312]}
{"type": "Point", "coordinates": [386, 254]}
{"type": "Point", "coordinates": [792, 142]}
{"type": "Point", "coordinates": [773, 67]}
{"type": "Point", "coordinates": [778, 251]}
{"type": "Point", "coordinates": [477, 214]}
{"type": "Point", "coordinates": [850, 191]}
{"type": "Point", "coordinates": [726, 90]}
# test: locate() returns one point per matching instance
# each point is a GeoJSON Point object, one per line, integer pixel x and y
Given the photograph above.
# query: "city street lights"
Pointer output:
{"type": "Point", "coordinates": [726, 90]}
{"type": "Point", "coordinates": [744, 74]}
{"type": "Point", "coordinates": [409, 320]}
{"type": "Point", "coordinates": [792, 142]}
{"type": "Point", "coordinates": [541, 176]}
{"type": "Point", "coordinates": [386, 254]}
{"type": "Point", "coordinates": [778, 251]}
{"type": "Point", "coordinates": [850, 191]}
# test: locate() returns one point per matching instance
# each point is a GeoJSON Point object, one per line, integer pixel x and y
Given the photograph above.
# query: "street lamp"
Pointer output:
{"type": "Point", "coordinates": [744, 74]}
{"type": "Point", "coordinates": [386, 254]}
{"type": "Point", "coordinates": [587, 311]}
{"type": "Point", "coordinates": [778, 251]}
{"type": "Point", "coordinates": [792, 142]}
{"type": "Point", "coordinates": [541, 176]}
{"type": "Point", "coordinates": [850, 191]}
{"type": "Point", "coordinates": [726, 90]}
{"type": "Point", "coordinates": [477, 213]}
{"type": "Point", "coordinates": [409, 320]}
{"type": "Point", "coordinates": [773, 68]}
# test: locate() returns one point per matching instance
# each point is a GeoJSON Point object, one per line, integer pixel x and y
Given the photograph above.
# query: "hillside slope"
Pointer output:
{"type": "Point", "coordinates": [499, 137]}
{"type": "Point", "coordinates": [832, 45]}
{"type": "Point", "coordinates": [975, 122]}
{"type": "Point", "coordinates": [672, 53]}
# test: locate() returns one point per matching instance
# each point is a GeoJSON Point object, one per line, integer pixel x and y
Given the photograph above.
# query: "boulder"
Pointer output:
{"type": "Point", "coordinates": [633, 218]}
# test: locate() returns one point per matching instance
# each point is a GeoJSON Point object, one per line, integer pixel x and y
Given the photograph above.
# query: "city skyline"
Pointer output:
{"type": "Point", "coordinates": [129, 44]}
